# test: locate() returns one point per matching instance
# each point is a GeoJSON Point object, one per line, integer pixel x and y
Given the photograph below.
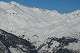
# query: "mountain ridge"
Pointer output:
{"type": "Point", "coordinates": [20, 20]}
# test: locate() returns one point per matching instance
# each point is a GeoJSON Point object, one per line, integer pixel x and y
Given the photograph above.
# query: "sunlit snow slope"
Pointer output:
{"type": "Point", "coordinates": [22, 20]}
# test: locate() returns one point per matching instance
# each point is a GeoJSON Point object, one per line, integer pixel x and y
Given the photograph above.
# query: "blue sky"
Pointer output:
{"type": "Point", "coordinates": [59, 5]}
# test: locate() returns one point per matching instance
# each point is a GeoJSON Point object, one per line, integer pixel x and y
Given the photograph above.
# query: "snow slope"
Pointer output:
{"type": "Point", "coordinates": [28, 21]}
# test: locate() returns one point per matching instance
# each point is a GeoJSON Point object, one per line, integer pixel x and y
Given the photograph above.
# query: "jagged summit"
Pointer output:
{"type": "Point", "coordinates": [10, 8]}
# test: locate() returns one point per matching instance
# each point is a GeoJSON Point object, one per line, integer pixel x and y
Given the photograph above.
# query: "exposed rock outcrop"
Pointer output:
{"type": "Point", "coordinates": [8, 40]}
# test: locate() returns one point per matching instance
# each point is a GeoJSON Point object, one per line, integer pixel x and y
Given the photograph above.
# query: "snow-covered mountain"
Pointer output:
{"type": "Point", "coordinates": [31, 21]}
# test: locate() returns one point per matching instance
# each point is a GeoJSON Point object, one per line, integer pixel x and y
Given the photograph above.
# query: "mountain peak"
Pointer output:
{"type": "Point", "coordinates": [21, 19]}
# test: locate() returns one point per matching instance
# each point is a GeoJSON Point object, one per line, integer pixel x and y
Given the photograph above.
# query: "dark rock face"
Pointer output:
{"type": "Point", "coordinates": [3, 48]}
{"type": "Point", "coordinates": [8, 40]}
{"type": "Point", "coordinates": [63, 41]}
{"type": "Point", "coordinates": [12, 40]}
{"type": "Point", "coordinates": [63, 51]}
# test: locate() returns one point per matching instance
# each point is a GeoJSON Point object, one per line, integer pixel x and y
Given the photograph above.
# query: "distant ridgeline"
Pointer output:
{"type": "Point", "coordinates": [9, 40]}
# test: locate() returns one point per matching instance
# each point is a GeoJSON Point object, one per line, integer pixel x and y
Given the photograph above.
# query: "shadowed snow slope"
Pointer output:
{"type": "Point", "coordinates": [20, 20]}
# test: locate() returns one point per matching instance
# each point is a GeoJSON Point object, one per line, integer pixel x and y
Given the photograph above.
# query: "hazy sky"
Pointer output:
{"type": "Point", "coordinates": [60, 5]}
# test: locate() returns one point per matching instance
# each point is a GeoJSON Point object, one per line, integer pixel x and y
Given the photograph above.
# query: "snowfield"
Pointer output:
{"type": "Point", "coordinates": [39, 24]}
